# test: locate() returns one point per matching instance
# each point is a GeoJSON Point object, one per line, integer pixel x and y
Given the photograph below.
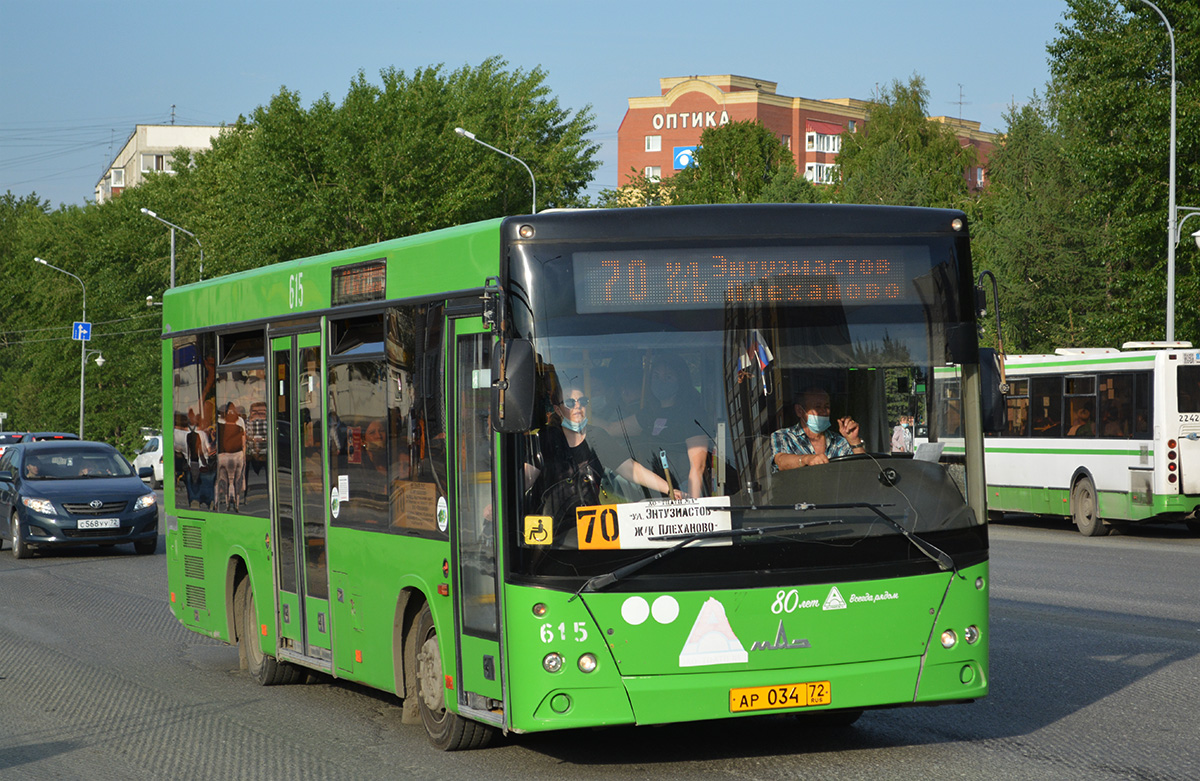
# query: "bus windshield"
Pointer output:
{"type": "Point", "coordinates": [669, 379]}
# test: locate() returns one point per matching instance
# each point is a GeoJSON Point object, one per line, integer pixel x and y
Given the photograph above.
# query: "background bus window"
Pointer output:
{"type": "Point", "coordinates": [1080, 406]}
{"type": "Point", "coordinates": [1018, 409]}
{"type": "Point", "coordinates": [1188, 384]}
{"type": "Point", "coordinates": [1046, 405]}
{"type": "Point", "coordinates": [949, 409]}
{"type": "Point", "coordinates": [1116, 406]}
{"type": "Point", "coordinates": [194, 409]}
{"type": "Point", "coordinates": [1143, 405]}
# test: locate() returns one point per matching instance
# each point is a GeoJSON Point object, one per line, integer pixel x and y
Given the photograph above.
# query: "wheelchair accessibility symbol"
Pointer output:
{"type": "Point", "coordinates": [539, 530]}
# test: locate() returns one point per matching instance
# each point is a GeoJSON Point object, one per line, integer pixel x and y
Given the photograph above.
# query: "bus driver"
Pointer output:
{"type": "Point", "coordinates": [811, 441]}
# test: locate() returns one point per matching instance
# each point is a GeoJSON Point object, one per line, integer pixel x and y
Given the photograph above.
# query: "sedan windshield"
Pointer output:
{"type": "Point", "coordinates": [70, 464]}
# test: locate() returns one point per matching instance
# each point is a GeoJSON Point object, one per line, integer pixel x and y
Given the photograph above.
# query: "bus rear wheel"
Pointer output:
{"type": "Point", "coordinates": [447, 730]}
{"type": "Point", "coordinates": [1085, 509]}
{"type": "Point", "coordinates": [265, 669]}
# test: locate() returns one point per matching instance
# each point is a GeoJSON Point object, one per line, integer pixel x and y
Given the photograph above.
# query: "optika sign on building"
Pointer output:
{"type": "Point", "coordinates": [659, 134]}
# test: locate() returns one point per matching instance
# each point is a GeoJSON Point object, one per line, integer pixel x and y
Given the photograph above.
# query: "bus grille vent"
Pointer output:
{"type": "Point", "coordinates": [193, 567]}
{"type": "Point", "coordinates": [196, 597]}
{"type": "Point", "coordinates": [192, 537]}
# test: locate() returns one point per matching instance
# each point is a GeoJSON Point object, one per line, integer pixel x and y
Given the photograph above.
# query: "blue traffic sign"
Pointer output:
{"type": "Point", "coordinates": [81, 332]}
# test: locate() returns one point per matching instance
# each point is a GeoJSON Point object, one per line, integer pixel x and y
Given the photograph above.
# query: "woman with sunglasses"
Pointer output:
{"type": "Point", "coordinates": [571, 469]}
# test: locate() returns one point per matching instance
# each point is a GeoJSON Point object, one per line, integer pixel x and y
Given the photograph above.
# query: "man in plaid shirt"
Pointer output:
{"type": "Point", "coordinates": [812, 441]}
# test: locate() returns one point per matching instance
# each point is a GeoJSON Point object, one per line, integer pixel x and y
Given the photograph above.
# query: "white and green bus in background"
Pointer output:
{"type": "Point", "coordinates": [1100, 435]}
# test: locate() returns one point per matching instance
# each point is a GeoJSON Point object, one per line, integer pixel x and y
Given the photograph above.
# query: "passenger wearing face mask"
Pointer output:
{"type": "Point", "coordinates": [572, 464]}
{"type": "Point", "coordinates": [813, 441]}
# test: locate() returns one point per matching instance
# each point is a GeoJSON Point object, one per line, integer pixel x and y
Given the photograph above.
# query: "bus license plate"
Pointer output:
{"type": "Point", "coordinates": [99, 523]}
{"type": "Point", "coordinates": [788, 695]}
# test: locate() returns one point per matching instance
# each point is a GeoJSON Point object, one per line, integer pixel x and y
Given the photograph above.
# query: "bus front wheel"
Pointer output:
{"type": "Point", "coordinates": [1085, 509]}
{"type": "Point", "coordinates": [447, 730]}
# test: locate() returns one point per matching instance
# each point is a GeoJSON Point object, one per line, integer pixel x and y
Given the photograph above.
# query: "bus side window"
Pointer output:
{"type": "Point", "coordinates": [1116, 406]}
{"type": "Point", "coordinates": [1143, 405]}
{"type": "Point", "coordinates": [1018, 409]}
{"type": "Point", "coordinates": [1046, 393]}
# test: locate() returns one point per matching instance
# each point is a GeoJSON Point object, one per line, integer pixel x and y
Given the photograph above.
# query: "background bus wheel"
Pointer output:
{"type": "Point", "coordinates": [266, 670]}
{"type": "Point", "coordinates": [19, 548]}
{"type": "Point", "coordinates": [1084, 509]}
{"type": "Point", "coordinates": [447, 731]}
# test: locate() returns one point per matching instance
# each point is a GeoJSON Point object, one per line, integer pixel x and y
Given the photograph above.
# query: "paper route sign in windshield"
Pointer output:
{"type": "Point", "coordinates": [630, 526]}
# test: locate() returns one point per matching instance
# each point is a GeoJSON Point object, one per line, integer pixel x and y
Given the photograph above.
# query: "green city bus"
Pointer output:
{"type": "Point", "coordinates": [380, 471]}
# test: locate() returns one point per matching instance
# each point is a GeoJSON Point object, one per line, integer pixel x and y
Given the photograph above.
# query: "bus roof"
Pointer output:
{"type": "Point", "coordinates": [439, 262]}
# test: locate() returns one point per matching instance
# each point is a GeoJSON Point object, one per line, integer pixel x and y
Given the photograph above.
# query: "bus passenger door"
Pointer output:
{"type": "Point", "coordinates": [298, 512]}
{"type": "Point", "coordinates": [475, 541]}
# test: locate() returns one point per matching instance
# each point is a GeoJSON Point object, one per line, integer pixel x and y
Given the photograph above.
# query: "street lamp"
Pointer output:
{"type": "Point", "coordinates": [82, 343]}
{"type": "Point", "coordinates": [470, 135]}
{"type": "Point", "coordinates": [174, 228]}
{"type": "Point", "coordinates": [1173, 228]}
{"type": "Point", "coordinates": [99, 362]}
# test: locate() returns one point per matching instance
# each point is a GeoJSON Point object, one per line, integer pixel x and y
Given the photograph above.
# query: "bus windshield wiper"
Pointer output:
{"type": "Point", "coordinates": [928, 548]}
{"type": "Point", "coordinates": [604, 581]}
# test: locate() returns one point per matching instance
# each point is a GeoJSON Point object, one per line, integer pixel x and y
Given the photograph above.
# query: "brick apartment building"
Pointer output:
{"type": "Point", "coordinates": [659, 133]}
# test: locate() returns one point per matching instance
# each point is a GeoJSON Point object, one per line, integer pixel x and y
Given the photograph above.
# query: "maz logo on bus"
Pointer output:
{"type": "Point", "coordinates": [296, 290]}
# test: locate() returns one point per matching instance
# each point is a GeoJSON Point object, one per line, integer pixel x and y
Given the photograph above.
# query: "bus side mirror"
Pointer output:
{"type": "Point", "coordinates": [995, 407]}
{"type": "Point", "coordinates": [513, 378]}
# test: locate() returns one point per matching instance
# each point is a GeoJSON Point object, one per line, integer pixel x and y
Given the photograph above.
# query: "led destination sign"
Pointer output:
{"type": "Point", "coordinates": [627, 281]}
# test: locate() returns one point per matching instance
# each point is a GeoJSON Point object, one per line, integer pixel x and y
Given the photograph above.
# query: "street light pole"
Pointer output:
{"type": "Point", "coordinates": [174, 228]}
{"type": "Point", "coordinates": [470, 135]}
{"type": "Point", "coordinates": [1174, 224]}
{"type": "Point", "coordinates": [82, 343]}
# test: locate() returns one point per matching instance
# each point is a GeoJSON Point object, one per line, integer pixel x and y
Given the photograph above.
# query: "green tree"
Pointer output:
{"type": "Point", "coordinates": [1028, 229]}
{"type": "Point", "coordinates": [1110, 69]}
{"type": "Point", "coordinates": [900, 157]}
{"type": "Point", "coordinates": [288, 181]}
{"type": "Point", "coordinates": [738, 163]}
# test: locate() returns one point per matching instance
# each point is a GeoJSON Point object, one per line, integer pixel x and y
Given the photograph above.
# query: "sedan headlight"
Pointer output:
{"type": "Point", "coordinates": [144, 501]}
{"type": "Point", "coordinates": [39, 506]}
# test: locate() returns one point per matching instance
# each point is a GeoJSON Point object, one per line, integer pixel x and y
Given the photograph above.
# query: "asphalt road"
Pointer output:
{"type": "Point", "coordinates": [1095, 675]}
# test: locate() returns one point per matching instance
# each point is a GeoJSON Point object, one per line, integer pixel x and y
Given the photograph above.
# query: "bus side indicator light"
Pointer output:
{"type": "Point", "coordinates": [450, 682]}
{"type": "Point", "coordinates": [264, 630]}
{"type": "Point", "coordinates": [445, 568]}
{"type": "Point", "coordinates": [444, 589]}
{"type": "Point", "coordinates": [172, 596]}
{"type": "Point", "coordinates": [358, 655]}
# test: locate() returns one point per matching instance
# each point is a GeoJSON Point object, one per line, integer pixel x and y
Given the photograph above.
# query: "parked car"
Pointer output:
{"type": "Point", "coordinates": [151, 456]}
{"type": "Point", "coordinates": [41, 436]}
{"type": "Point", "coordinates": [10, 438]}
{"type": "Point", "coordinates": [67, 493]}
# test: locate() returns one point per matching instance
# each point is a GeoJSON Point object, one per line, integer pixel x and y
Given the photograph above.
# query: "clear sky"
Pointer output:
{"type": "Point", "coordinates": [76, 76]}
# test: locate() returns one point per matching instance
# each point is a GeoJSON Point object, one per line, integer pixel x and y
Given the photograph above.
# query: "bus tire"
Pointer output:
{"type": "Point", "coordinates": [1085, 510]}
{"type": "Point", "coordinates": [265, 669]}
{"type": "Point", "coordinates": [447, 731]}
